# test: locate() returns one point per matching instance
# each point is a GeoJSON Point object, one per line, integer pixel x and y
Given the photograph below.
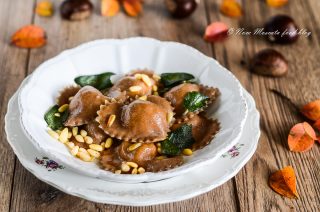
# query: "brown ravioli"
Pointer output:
{"type": "Point", "coordinates": [158, 165]}
{"type": "Point", "coordinates": [95, 132]}
{"type": "Point", "coordinates": [203, 130]}
{"type": "Point", "coordinates": [117, 95]}
{"type": "Point", "coordinates": [176, 96]}
{"type": "Point", "coordinates": [84, 105]}
{"type": "Point", "coordinates": [124, 84]}
{"type": "Point", "coordinates": [66, 93]}
{"type": "Point", "coordinates": [145, 156]}
{"type": "Point", "coordinates": [142, 71]}
{"type": "Point", "coordinates": [112, 158]}
{"type": "Point", "coordinates": [138, 121]}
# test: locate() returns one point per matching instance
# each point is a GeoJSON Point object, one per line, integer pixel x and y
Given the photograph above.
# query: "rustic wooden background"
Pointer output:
{"type": "Point", "coordinates": [248, 191]}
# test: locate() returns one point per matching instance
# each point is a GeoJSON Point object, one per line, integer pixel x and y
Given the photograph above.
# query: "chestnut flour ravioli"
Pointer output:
{"type": "Point", "coordinates": [141, 123]}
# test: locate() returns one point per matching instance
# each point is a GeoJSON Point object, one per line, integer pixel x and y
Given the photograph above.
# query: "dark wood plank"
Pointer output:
{"type": "Point", "coordinates": [13, 62]}
{"type": "Point", "coordinates": [33, 195]}
{"type": "Point", "coordinates": [277, 116]}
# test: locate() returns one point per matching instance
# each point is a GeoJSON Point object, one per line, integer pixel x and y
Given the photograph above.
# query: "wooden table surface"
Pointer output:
{"type": "Point", "coordinates": [248, 190]}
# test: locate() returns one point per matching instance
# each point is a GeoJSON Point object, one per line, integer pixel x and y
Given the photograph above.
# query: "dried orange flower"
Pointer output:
{"type": "Point", "coordinates": [276, 3]}
{"type": "Point", "coordinates": [301, 137]}
{"type": "Point", "coordinates": [284, 182]}
{"type": "Point", "coordinates": [132, 7]}
{"type": "Point", "coordinates": [312, 110]}
{"type": "Point", "coordinates": [231, 8]}
{"type": "Point", "coordinates": [30, 36]}
{"type": "Point", "coordinates": [44, 8]}
{"type": "Point", "coordinates": [111, 7]}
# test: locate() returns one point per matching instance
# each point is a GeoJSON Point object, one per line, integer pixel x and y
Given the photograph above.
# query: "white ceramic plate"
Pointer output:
{"type": "Point", "coordinates": [196, 182]}
{"type": "Point", "coordinates": [120, 56]}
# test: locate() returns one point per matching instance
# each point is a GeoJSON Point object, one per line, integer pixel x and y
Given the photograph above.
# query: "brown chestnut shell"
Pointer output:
{"type": "Point", "coordinates": [286, 28]}
{"type": "Point", "coordinates": [181, 8]}
{"type": "Point", "coordinates": [76, 10]}
{"type": "Point", "coordinates": [269, 62]}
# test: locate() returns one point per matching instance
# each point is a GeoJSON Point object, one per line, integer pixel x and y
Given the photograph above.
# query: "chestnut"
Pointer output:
{"type": "Point", "coordinates": [269, 62]}
{"type": "Point", "coordinates": [76, 10]}
{"type": "Point", "coordinates": [181, 8]}
{"type": "Point", "coordinates": [281, 29]}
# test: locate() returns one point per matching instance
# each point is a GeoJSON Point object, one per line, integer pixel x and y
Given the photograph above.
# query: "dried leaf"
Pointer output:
{"type": "Point", "coordinates": [109, 7]}
{"type": "Point", "coordinates": [284, 182]}
{"type": "Point", "coordinates": [216, 31]}
{"type": "Point", "coordinates": [312, 110]}
{"type": "Point", "coordinates": [132, 7]}
{"type": "Point", "coordinates": [317, 124]}
{"type": "Point", "coordinates": [277, 3]}
{"type": "Point", "coordinates": [301, 137]}
{"type": "Point", "coordinates": [44, 8]}
{"type": "Point", "coordinates": [30, 36]}
{"type": "Point", "coordinates": [231, 8]}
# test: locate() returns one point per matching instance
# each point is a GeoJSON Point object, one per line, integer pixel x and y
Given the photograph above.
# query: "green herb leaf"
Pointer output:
{"type": "Point", "coordinates": [178, 140]}
{"type": "Point", "coordinates": [55, 122]}
{"type": "Point", "coordinates": [194, 101]}
{"type": "Point", "coordinates": [168, 148]}
{"type": "Point", "coordinates": [170, 80]}
{"type": "Point", "coordinates": [99, 81]}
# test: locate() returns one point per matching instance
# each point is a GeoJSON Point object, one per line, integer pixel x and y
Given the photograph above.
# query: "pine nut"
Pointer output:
{"type": "Point", "coordinates": [53, 134]}
{"type": "Point", "coordinates": [69, 134]}
{"type": "Point", "coordinates": [70, 98]}
{"type": "Point", "coordinates": [185, 112]}
{"type": "Point", "coordinates": [82, 150]}
{"type": "Point", "coordinates": [187, 152]}
{"type": "Point", "coordinates": [96, 147]}
{"type": "Point", "coordinates": [135, 88]}
{"type": "Point", "coordinates": [156, 77]}
{"type": "Point", "coordinates": [93, 153]}
{"type": "Point", "coordinates": [83, 133]}
{"type": "Point", "coordinates": [75, 131]}
{"type": "Point", "coordinates": [57, 114]}
{"type": "Point", "coordinates": [84, 156]}
{"type": "Point", "coordinates": [63, 108]}
{"type": "Point", "coordinates": [103, 145]}
{"type": "Point", "coordinates": [79, 138]}
{"type": "Point", "coordinates": [144, 98]}
{"type": "Point", "coordinates": [74, 151]}
{"type": "Point", "coordinates": [134, 146]}
{"type": "Point", "coordinates": [125, 167]}
{"type": "Point", "coordinates": [169, 117]}
{"type": "Point", "coordinates": [137, 76]}
{"type": "Point", "coordinates": [108, 143]}
{"type": "Point", "coordinates": [156, 93]}
{"type": "Point", "coordinates": [132, 164]}
{"type": "Point", "coordinates": [70, 145]}
{"type": "Point", "coordinates": [159, 150]}
{"type": "Point", "coordinates": [117, 171]}
{"type": "Point", "coordinates": [141, 170]}
{"type": "Point", "coordinates": [88, 140]}
{"type": "Point", "coordinates": [146, 80]}
{"type": "Point", "coordinates": [134, 171]}
{"type": "Point", "coordinates": [155, 88]}
{"type": "Point", "coordinates": [161, 157]}
{"type": "Point", "coordinates": [111, 120]}
{"type": "Point", "coordinates": [159, 144]}
{"type": "Point", "coordinates": [64, 135]}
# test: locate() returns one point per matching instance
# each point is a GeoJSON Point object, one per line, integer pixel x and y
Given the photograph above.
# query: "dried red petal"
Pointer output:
{"type": "Point", "coordinates": [216, 31]}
